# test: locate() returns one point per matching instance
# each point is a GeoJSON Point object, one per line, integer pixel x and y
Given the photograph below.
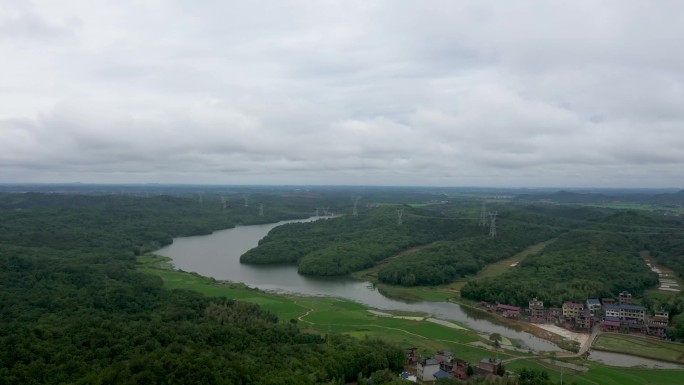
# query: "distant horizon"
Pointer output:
{"type": "Point", "coordinates": [344, 186]}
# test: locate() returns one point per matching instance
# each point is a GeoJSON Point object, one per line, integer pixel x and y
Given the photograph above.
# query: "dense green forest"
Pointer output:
{"type": "Point", "coordinates": [74, 310]}
{"type": "Point", "coordinates": [468, 249]}
{"type": "Point", "coordinates": [455, 244]}
{"type": "Point", "coordinates": [338, 246]}
{"type": "Point", "coordinates": [577, 266]}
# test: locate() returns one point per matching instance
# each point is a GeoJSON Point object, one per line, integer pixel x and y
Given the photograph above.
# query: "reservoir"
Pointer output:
{"type": "Point", "coordinates": [218, 255]}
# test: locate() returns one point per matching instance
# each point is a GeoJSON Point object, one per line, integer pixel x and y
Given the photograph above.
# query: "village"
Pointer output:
{"type": "Point", "coordinates": [606, 315]}
{"type": "Point", "coordinates": [445, 365]}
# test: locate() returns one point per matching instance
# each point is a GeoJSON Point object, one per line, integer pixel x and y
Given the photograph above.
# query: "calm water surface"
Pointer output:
{"type": "Point", "coordinates": [625, 360]}
{"type": "Point", "coordinates": [218, 255]}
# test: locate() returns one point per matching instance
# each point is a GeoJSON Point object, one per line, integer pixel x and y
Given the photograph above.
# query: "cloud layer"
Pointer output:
{"type": "Point", "coordinates": [480, 93]}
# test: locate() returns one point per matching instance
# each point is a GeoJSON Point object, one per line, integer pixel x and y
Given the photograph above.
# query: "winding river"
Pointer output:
{"type": "Point", "coordinates": [218, 255]}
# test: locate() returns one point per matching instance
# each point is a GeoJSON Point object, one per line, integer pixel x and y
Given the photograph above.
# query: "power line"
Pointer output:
{"type": "Point", "coordinates": [355, 200]}
{"type": "Point", "coordinates": [492, 228]}
{"type": "Point", "coordinates": [483, 214]}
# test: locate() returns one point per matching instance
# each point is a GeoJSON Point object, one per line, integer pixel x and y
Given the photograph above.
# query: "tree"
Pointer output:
{"type": "Point", "coordinates": [496, 338]}
{"type": "Point", "coordinates": [470, 371]}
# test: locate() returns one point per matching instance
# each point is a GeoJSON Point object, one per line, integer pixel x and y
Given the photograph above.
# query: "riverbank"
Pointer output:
{"type": "Point", "coordinates": [323, 315]}
{"type": "Point", "coordinates": [562, 340]}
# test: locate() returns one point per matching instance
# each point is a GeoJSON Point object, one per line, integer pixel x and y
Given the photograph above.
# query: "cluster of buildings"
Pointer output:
{"type": "Point", "coordinates": [445, 365]}
{"type": "Point", "coordinates": [611, 315]}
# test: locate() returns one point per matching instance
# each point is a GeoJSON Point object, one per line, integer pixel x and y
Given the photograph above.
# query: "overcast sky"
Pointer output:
{"type": "Point", "coordinates": [450, 93]}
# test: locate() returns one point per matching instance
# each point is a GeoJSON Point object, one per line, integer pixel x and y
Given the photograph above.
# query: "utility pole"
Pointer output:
{"type": "Point", "coordinates": [400, 212]}
{"type": "Point", "coordinates": [492, 227]}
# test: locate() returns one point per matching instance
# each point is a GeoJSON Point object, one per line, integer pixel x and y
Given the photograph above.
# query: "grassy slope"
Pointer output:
{"type": "Point", "coordinates": [324, 314]}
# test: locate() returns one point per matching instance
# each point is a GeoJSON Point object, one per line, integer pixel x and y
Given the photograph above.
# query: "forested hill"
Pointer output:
{"type": "Point", "coordinates": [341, 245]}
{"type": "Point", "coordinates": [577, 266]}
{"type": "Point", "coordinates": [598, 258]}
{"type": "Point", "coordinates": [470, 248]}
{"type": "Point", "coordinates": [74, 310]}
{"type": "Point", "coordinates": [454, 243]}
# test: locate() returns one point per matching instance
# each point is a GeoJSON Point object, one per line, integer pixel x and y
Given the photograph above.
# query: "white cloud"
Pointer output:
{"type": "Point", "coordinates": [379, 92]}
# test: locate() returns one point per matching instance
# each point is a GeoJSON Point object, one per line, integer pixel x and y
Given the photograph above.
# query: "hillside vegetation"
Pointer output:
{"type": "Point", "coordinates": [342, 245]}
{"type": "Point", "coordinates": [74, 310]}
{"type": "Point", "coordinates": [453, 245]}
{"type": "Point", "coordinates": [577, 266]}
{"type": "Point", "coordinates": [467, 250]}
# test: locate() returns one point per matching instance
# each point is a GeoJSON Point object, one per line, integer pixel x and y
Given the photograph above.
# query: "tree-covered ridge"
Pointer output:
{"type": "Point", "coordinates": [467, 251]}
{"type": "Point", "coordinates": [577, 266]}
{"type": "Point", "coordinates": [74, 310]}
{"type": "Point", "coordinates": [457, 245]}
{"type": "Point", "coordinates": [93, 223]}
{"type": "Point", "coordinates": [342, 245]}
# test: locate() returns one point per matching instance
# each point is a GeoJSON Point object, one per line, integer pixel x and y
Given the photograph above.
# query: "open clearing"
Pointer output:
{"type": "Point", "coordinates": [498, 268]}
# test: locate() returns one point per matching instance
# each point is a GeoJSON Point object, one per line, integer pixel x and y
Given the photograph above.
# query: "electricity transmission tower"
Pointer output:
{"type": "Point", "coordinates": [400, 212]}
{"type": "Point", "coordinates": [355, 200]}
{"type": "Point", "coordinates": [223, 202]}
{"type": "Point", "coordinates": [326, 210]}
{"type": "Point", "coordinates": [316, 211]}
{"type": "Point", "coordinates": [200, 198]}
{"type": "Point", "coordinates": [483, 214]}
{"type": "Point", "coordinates": [261, 209]}
{"type": "Point", "coordinates": [246, 196]}
{"type": "Point", "coordinates": [492, 227]}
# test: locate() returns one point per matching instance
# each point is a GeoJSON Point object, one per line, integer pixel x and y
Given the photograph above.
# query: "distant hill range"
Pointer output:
{"type": "Point", "coordinates": [640, 197]}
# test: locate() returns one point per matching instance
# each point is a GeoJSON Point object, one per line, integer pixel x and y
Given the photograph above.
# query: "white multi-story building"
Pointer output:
{"type": "Point", "coordinates": [626, 312]}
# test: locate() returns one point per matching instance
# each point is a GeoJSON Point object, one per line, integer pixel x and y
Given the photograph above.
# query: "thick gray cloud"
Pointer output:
{"type": "Point", "coordinates": [523, 93]}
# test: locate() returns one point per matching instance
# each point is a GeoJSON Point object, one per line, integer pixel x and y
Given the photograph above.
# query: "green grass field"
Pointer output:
{"type": "Point", "coordinates": [498, 268]}
{"type": "Point", "coordinates": [323, 315]}
{"type": "Point", "coordinates": [644, 347]}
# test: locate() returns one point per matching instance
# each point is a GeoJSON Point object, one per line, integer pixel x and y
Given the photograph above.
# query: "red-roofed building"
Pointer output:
{"type": "Point", "coordinates": [610, 325]}
{"type": "Point", "coordinates": [508, 311]}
